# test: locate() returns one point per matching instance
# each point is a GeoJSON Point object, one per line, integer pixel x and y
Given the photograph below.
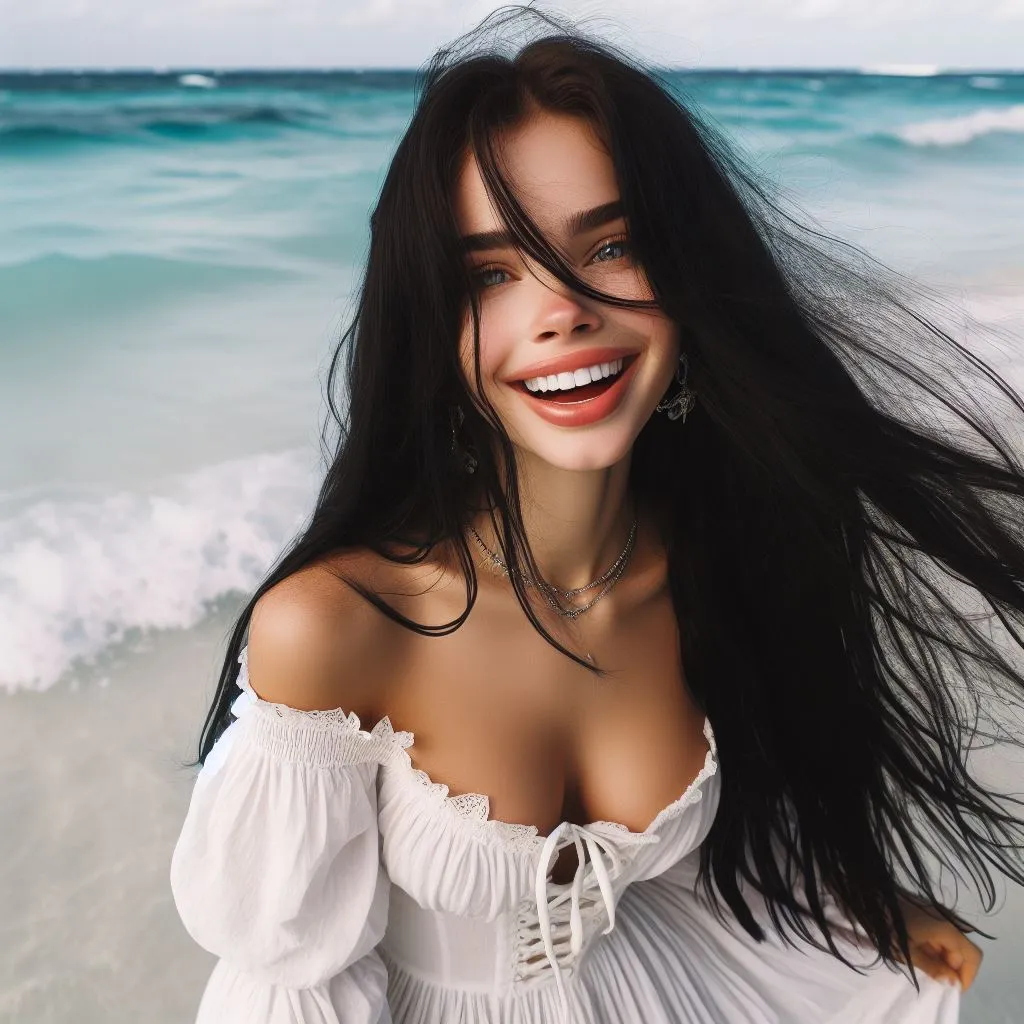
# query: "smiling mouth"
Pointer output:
{"type": "Point", "coordinates": [580, 392]}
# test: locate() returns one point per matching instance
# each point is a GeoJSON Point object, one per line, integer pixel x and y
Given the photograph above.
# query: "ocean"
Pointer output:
{"type": "Point", "coordinates": [177, 259]}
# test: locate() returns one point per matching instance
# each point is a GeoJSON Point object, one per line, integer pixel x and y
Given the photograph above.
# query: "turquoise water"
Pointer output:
{"type": "Point", "coordinates": [178, 252]}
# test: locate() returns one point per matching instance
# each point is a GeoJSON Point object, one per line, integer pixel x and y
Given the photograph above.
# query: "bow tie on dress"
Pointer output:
{"type": "Point", "coordinates": [599, 847]}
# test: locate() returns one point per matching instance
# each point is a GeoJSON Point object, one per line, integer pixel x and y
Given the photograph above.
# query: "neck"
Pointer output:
{"type": "Point", "coordinates": [577, 521]}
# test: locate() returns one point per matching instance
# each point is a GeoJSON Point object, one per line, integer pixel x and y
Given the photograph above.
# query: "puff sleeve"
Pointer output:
{"type": "Point", "coordinates": [277, 870]}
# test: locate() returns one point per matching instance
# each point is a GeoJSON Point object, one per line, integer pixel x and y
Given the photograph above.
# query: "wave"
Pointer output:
{"type": "Point", "coordinates": [957, 131]}
{"type": "Point", "coordinates": [108, 285]}
{"type": "Point", "coordinates": [79, 576]}
{"type": "Point", "coordinates": [127, 123]}
{"type": "Point", "coordinates": [902, 70]}
{"type": "Point", "coordinates": [198, 81]}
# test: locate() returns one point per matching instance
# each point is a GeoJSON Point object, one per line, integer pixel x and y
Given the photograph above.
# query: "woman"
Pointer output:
{"type": "Point", "coordinates": [628, 528]}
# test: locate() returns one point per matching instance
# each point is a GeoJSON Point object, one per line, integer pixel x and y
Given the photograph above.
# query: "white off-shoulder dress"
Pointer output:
{"type": "Point", "coordinates": [338, 884]}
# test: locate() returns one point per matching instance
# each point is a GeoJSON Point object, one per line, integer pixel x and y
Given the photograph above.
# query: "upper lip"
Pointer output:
{"type": "Point", "coordinates": [569, 361]}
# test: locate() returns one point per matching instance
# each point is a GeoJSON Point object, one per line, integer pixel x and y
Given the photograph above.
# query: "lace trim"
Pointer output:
{"type": "Point", "coordinates": [471, 809]}
{"type": "Point", "coordinates": [694, 793]}
{"type": "Point", "coordinates": [475, 808]}
{"type": "Point", "coordinates": [322, 739]}
{"type": "Point", "coordinates": [334, 737]}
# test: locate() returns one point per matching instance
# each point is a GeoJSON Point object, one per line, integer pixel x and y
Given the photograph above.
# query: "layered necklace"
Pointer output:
{"type": "Point", "coordinates": [555, 596]}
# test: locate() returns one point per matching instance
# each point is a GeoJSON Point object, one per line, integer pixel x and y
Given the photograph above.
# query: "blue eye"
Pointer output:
{"type": "Point", "coordinates": [615, 243]}
{"type": "Point", "coordinates": [479, 275]}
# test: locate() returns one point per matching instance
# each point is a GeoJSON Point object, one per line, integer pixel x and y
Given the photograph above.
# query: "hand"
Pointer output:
{"type": "Point", "coordinates": [939, 948]}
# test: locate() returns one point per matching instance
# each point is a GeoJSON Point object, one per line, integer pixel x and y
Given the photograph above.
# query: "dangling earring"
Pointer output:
{"type": "Point", "coordinates": [684, 399]}
{"type": "Point", "coordinates": [465, 456]}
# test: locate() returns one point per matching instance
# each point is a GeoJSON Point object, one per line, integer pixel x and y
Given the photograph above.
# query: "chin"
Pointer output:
{"type": "Point", "coordinates": [584, 454]}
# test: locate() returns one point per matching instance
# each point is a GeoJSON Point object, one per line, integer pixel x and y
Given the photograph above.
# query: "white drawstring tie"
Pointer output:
{"type": "Point", "coordinates": [598, 847]}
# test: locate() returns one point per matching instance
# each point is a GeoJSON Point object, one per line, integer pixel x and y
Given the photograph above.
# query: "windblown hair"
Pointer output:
{"type": "Point", "coordinates": [843, 518]}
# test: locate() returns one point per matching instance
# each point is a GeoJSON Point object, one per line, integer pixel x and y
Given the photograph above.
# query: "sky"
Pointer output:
{"type": "Point", "coordinates": [217, 34]}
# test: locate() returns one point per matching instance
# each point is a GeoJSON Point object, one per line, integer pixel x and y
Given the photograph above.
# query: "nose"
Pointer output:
{"type": "Point", "coordinates": [561, 313]}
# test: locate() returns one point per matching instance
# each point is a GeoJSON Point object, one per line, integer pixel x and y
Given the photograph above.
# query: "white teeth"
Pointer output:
{"type": "Point", "coordinates": [573, 379]}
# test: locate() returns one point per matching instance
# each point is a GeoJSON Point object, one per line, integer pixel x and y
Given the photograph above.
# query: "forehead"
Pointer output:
{"type": "Point", "coordinates": [557, 165]}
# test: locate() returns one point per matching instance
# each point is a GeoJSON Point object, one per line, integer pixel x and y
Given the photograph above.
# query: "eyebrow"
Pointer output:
{"type": "Point", "coordinates": [576, 224]}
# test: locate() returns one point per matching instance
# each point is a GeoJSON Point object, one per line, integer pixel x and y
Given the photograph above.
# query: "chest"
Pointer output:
{"type": "Point", "coordinates": [496, 710]}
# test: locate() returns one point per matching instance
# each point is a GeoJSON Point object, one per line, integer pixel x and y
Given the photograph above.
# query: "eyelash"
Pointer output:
{"type": "Point", "coordinates": [620, 240]}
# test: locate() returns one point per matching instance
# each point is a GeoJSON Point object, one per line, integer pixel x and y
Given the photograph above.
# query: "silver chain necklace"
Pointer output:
{"type": "Point", "coordinates": [553, 594]}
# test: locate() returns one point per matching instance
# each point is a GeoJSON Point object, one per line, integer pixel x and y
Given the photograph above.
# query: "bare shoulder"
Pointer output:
{"type": "Point", "coordinates": [316, 644]}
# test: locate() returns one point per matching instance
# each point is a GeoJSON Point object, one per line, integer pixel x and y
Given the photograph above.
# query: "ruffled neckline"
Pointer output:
{"type": "Point", "coordinates": [389, 746]}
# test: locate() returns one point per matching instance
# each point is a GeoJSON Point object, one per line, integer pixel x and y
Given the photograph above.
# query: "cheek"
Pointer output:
{"type": "Point", "coordinates": [496, 347]}
{"type": "Point", "coordinates": [467, 353]}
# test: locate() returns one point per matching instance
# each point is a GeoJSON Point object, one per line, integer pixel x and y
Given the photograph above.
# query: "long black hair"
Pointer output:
{"type": "Point", "coordinates": [842, 516]}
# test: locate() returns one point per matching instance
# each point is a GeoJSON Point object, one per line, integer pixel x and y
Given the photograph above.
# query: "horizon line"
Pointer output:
{"type": "Point", "coordinates": [882, 69]}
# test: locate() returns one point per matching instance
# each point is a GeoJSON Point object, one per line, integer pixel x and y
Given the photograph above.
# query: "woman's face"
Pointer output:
{"type": "Point", "coordinates": [532, 326]}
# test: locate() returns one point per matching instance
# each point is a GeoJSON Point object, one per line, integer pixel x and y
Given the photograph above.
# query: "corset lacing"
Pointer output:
{"type": "Point", "coordinates": [538, 917]}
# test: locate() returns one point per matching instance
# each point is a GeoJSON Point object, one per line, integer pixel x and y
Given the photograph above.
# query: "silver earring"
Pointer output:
{"type": "Point", "coordinates": [684, 399]}
{"type": "Point", "coordinates": [465, 457]}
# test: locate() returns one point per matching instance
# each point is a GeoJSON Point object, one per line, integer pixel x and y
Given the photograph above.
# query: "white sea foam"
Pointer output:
{"type": "Point", "coordinates": [198, 81]}
{"type": "Point", "coordinates": [902, 70]}
{"type": "Point", "coordinates": [986, 82]}
{"type": "Point", "coordinates": [955, 131]}
{"type": "Point", "coordinates": [76, 577]}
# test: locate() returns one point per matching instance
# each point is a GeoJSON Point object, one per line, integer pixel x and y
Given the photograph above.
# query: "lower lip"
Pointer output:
{"type": "Point", "coordinates": [580, 414]}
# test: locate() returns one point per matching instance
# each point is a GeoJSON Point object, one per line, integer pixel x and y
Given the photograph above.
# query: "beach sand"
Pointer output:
{"type": "Point", "coordinates": [92, 800]}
